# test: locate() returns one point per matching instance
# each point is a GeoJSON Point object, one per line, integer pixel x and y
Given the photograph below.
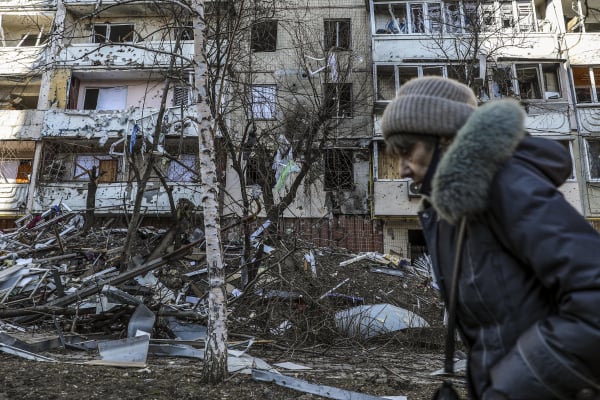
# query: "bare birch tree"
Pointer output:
{"type": "Point", "coordinates": [215, 354]}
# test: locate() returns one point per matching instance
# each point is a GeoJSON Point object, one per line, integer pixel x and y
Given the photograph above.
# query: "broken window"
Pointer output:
{"type": "Point", "coordinates": [338, 100]}
{"type": "Point", "coordinates": [106, 167]}
{"type": "Point", "coordinates": [263, 101]}
{"type": "Point", "coordinates": [529, 82]}
{"type": "Point", "coordinates": [339, 173]}
{"type": "Point", "coordinates": [34, 39]}
{"type": "Point", "coordinates": [184, 169]}
{"type": "Point", "coordinates": [593, 158]}
{"type": "Point", "coordinates": [115, 33]}
{"type": "Point", "coordinates": [586, 81]}
{"type": "Point", "coordinates": [538, 81]}
{"type": "Point", "coordinates": [502, 81]}
{"type": "Point", "coordinates": [337, 34]}
{"type": "Point", "coordinates": [264, 36]}
{"type": "Point", "coordinates": [107, 98]}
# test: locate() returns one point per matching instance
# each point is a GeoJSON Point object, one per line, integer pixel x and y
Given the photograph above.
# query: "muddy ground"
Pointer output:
{"type": "Point", "coordinates": [377, 369]}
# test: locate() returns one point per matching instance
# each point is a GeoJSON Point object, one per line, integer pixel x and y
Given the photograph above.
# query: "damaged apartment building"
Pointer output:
{"type": "Point", "coordinates": [83, 83]}
{"type": "Point", "coordinates": [297, 89]}
{"type": "Point", "coordinates": [541, 52]}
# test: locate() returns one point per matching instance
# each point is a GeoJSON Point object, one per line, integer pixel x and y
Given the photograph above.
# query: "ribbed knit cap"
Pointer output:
{"type": "Point", "coordinates": [429, 105]}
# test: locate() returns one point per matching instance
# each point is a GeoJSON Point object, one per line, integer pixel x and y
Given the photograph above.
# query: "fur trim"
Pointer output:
{"type": "Point", "coordinates": [461, 184]}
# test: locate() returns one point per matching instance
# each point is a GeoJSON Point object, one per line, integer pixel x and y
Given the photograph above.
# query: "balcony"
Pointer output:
{"type": "Point", "coordinates": [20, 124]}
{"type": "Point", "coordinates": [112, 197]}
{"type": "Point", "coordinates": [20, 60]}
{"type": "Point", "coordinates": [135, 55]}
{"type": "Point", "coordinates": [13, 198]}
{"type": "Point", "coordinates": [103, 124]}
{"type": "Point", "coordinates": [22, 5]}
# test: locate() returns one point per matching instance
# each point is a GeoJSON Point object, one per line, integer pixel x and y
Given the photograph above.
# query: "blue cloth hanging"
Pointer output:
{"type": "Point", "coordinates": [134, 133]}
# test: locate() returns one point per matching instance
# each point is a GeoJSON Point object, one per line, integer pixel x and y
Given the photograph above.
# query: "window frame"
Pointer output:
{"type": "Point", "coordinates": [404, 72]}
{"type": "Point", "coordinates": [176, 172]}
{"type": "Point", "coordinates": [334, 104]}
{"type": "Point", "coordinates": [516, 87]}
{"type": "Point", "coordinates": [80, 172]}
{"type": "Point", "coordinates": [108, 27]}
{"type": "Point", "coordinates": [593, 74]}
{"type": "Point", "coordinates": [336, 178]}
{"type": "Point", "coordinates": [588, 158]}
{"type": "Point", "coordinates": [332, 35]}
{"type": "Point", "coordinates": [263, 36]}
{"type": "Point", "coordinates": [266, 99]}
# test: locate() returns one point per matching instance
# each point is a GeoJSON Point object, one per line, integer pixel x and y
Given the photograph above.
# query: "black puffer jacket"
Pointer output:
{"type": "Point", "coordinates": [529, 287]}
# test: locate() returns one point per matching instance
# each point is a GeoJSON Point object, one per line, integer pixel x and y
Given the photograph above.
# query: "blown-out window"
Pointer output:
{"type": "Point", "coordinates": [338, 99]}
{"type": "Point", "coordinates": [264, 36]}
{"type": "Point", "coordinates": [339, 174]}
{"type": "Point", "coordinates": [587, 84]}
{"type": "Point", "coordinates": [115, 33]}
{"type": "Point", "coordinates": [337, 34]}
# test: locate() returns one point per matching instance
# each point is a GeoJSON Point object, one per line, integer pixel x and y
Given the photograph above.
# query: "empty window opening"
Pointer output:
{"type": "Point", "coordinates": [115, 33]}
{"type": "Point", "coordinates": [339, 172]}
{"type": "Point", "coordinates": [338, 99]}
{"type": "Point", "coordinates": [587, 81]}
{"type": "Point", "coordinates": [111, 98]}
{"type": "Point", "coordinates": [264, 36]}
{"type": "Point", "coordinates": [416, 243]}
{"type": "Point", "coordinates": [254, 173]}
{"type": "Point", "coordinates": [34, 39]}
{"type": "Point", "coordinates": [337, 34]}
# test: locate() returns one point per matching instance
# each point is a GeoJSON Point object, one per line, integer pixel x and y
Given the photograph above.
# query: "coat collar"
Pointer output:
{"type": "Point", "coordinates": [462, 181]}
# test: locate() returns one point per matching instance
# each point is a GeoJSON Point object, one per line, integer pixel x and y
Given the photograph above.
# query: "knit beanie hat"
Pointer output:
{"type": "Point", "coordinates": [431, 106]}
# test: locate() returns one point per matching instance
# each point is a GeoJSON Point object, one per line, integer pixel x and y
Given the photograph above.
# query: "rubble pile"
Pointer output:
{"type": "Point", "coordinates": [61, 287]}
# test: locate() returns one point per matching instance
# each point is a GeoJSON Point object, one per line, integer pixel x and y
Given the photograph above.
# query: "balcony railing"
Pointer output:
{"type": "Point", "coordinates": [112, 197]}
{"type": "Point", "coordinates": [102, 124]}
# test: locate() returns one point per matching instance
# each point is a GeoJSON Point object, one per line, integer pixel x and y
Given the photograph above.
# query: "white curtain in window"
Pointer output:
{"type": "Point", "coordinates": [8, 171]}
{"type": "Point", "coordinates": [114, 98]}
{"type": "Point", "coordinates": [263, 101]}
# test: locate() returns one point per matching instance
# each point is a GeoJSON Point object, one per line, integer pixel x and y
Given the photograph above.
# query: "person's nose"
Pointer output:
{"type": "Point", "coordinates": [405, 171]}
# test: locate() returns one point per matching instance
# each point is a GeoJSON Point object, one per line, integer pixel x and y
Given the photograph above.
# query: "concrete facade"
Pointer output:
{"type": "Point", "coordinates": [78, 83]}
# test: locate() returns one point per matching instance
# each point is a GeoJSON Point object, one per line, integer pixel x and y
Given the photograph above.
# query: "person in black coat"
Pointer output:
{"type": "Point", "coordinates": [528, 302]}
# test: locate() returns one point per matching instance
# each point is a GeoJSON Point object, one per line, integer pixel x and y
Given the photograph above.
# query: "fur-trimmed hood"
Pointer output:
{"type": "Point", "coordinates": [462, 182]}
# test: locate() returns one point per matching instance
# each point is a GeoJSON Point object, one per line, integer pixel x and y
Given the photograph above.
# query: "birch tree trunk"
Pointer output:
{"type": "Point", "coordinates": [215, 357]}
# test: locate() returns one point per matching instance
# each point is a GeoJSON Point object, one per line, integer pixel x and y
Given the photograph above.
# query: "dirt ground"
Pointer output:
{"type": "Point", "coordinates": [378, 370]}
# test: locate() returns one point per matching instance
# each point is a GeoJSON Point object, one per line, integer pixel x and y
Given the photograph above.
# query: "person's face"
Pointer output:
{"type": "Point", "coordinates": [415, 161]}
